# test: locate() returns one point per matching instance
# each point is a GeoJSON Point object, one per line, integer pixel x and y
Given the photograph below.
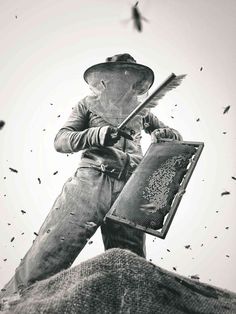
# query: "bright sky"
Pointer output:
{"type": "Point", "coordinates": [45, 48]}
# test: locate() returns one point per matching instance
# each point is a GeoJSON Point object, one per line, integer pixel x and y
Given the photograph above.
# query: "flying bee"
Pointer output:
{"type": "Point", "coordinates": [226, 109]}
{"type": "Point", "coordinates": [137, 17]}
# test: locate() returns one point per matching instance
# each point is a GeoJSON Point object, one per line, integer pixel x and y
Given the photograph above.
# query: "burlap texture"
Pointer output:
{"type": "Point", "coordinates": [119, 281]}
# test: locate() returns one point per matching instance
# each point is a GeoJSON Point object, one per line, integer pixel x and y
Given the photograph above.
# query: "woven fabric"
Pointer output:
{"type": "Point", "coordinates": [119, 281]}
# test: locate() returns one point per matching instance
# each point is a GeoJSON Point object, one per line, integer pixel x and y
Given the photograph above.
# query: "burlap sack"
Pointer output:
{"type": "Point", "coordinates": [119, 281]}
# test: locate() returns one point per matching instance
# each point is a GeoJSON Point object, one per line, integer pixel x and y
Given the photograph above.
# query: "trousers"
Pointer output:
{"type": "Point", "coordinates": [75, 216]}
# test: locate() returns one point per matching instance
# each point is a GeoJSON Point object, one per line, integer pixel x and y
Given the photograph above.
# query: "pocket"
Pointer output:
{"type": "Point", "coordinates": [87, 174]}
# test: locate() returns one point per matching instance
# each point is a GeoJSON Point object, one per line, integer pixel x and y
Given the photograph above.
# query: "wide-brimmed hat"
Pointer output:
{"type": "Point", "coordinates": [141, 76]}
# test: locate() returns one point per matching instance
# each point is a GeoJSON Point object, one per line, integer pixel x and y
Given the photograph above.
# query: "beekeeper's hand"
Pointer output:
{"type": "Point", "coordinates": [110, 135]}
{"type": "Point", "coordinates": [165, 133]}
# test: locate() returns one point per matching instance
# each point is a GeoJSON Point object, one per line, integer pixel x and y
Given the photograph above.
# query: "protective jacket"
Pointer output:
{"type": "Point", "coordinates": [85, 130]}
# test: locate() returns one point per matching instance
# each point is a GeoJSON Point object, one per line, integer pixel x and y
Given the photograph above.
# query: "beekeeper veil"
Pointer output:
{"type": "Point", "coordinates": [117, 85]}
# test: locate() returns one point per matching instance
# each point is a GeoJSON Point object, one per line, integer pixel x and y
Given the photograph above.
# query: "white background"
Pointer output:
{"type": "Point", "coordinates": [45, 48]}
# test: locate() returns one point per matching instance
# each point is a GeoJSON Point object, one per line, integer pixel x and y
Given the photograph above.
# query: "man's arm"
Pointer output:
{"type": "Point", "coordinates": [157, 129]}
{"type": "Point", "coordinates": [76, 135]}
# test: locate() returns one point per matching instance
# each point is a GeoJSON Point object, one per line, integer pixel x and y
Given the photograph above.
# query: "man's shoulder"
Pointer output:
{"type": "Point", "coordinates": [86, 102]}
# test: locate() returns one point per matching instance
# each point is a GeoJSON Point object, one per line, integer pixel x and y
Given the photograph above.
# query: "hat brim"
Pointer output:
{"type": "Point", "coordinates": [143, 72]}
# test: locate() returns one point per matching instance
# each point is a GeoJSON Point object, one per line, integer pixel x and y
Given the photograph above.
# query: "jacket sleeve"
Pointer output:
{"type": "Point", "coordinates": [151, 123]}
{"type": "Point", "coordinates": [76, 135]}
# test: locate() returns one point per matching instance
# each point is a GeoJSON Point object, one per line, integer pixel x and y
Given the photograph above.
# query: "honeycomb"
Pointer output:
{"type": "Point", "coordinates": [157, 190]}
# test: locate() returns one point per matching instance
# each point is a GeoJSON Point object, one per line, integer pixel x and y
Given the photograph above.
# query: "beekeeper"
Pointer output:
{"type": "Point", "coordinates": [108, 159]}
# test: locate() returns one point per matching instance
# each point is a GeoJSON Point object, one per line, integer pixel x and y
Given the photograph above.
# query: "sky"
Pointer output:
{"type": "Point", "coordinates": [45, 48]}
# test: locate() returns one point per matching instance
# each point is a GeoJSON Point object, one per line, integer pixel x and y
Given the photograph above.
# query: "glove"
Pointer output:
{"type": "Point", "coordinates": [164, 133]}
{"type": "Point", "coordinates": [110, 135]}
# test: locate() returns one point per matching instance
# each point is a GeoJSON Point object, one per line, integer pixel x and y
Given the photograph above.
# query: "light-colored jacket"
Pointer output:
{"type": "Point", "coordinates": [85, 130]}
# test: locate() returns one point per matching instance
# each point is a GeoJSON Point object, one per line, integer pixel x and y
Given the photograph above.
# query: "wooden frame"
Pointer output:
{"type": "Point", "coordinates": [176, 201]}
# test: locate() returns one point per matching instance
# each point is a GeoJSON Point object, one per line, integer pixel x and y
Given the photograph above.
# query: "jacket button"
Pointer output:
{"type": "Point", "coordinates": [132, 132]}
